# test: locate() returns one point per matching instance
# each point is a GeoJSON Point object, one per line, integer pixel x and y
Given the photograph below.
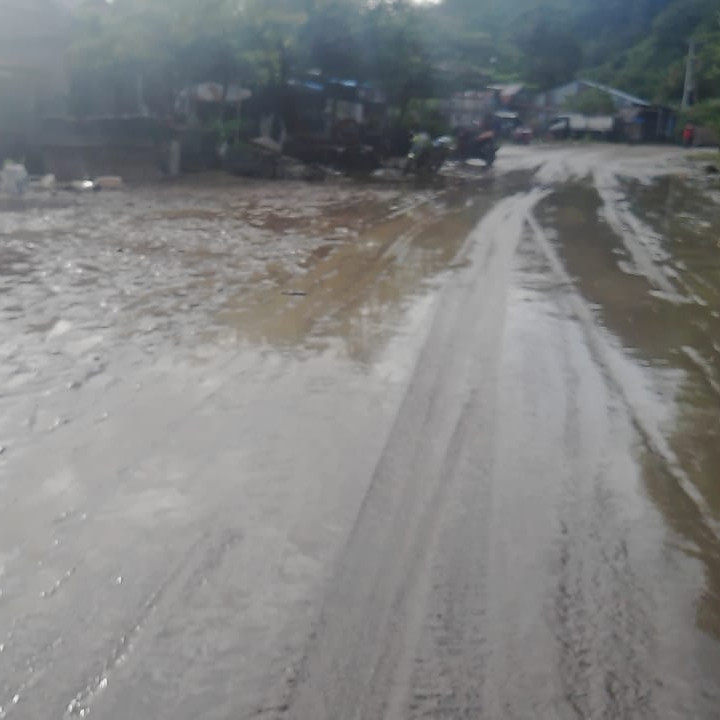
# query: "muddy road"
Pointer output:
{"type": "Point", "coordinates": [365, 451]}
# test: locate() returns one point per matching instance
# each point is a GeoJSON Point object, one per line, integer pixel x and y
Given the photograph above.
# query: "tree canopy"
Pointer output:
{"type": "Point", "coordinates": [412, 49]}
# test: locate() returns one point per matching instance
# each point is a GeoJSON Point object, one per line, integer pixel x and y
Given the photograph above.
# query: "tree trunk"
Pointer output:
{"type": "Point", "coordinates": [284, 65]}
{"type": "Point", "coordinates": [404, 103]}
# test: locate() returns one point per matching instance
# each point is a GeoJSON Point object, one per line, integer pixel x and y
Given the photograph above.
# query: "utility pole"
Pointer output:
{"type": "Point", "coordinates": [688, 97]}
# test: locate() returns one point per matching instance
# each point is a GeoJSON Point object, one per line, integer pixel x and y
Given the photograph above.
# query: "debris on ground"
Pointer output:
{"type": "Point", "coordinates": [47, 182]}
{"type": "Point", "coordinates": [82, 185]}
{"type": "Point", "coordinates": [14, 178]}
{"type": "Point", "coordinates": [292, 169]}
{"type": "Point", "coordinates": [109, 182]}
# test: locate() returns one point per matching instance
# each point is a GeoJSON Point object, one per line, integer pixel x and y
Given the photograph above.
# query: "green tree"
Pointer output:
{"type": "Point", "coordinates": [268, 33]}
{"type": "Point", "coordinates": [412, 50]}
{"type": "Point", "coordinates": [154, 44]}
{"type": "Point", "coordinates": [396, 45]}
{"type": "Point", "coordinates": [551, 53]}
{"type": "Point", "coordinates": [330, 39]}
{"type": "Point", "coordinates": [591, 102]}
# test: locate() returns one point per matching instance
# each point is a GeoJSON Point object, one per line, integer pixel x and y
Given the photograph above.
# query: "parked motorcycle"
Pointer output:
{"type": "Point", "coordinates": [426, 155]}
{"type": "Point", "coordinates": [477, 145]}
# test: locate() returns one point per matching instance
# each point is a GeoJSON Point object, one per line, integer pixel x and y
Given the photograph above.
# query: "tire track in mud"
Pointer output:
{"type": "Point", "coordinates": [203, 560]}
{"type": "Point", "coordinates": [643, 247]}
{"type": "Point", "coordinates": [614, 366]}
{"type": "Point", "coordinates": [441, 676]}
{"type": "Point", "coordinates": [44, 661]}
{"type": "Point", "coordinates": [361, 659]}
{"type": "Point", "coordinates": [599, 618]}
{"type": "Point", "coordinates": [47, 662]}
{"type": "Point", "coordinates": [414, 625]}
{"type": "Point", "coordinates": [610, 624]}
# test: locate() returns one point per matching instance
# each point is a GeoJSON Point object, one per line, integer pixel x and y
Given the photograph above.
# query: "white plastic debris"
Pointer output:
{"type": "Point", "coordinates": [82, 185]}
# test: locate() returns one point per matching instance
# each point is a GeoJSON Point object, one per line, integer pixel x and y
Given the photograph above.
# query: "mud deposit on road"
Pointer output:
{"type": "Point", "coordinates": [110, 281]}
{"type": "Point", "coordinates": [672, 333]}
{"type": "Point", "coordinates": [214, 319]}
{"type": "Point", "coordinates": [317, 452]}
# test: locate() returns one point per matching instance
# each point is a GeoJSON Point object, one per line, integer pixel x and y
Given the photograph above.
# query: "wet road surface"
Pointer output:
{"type": "Point", "coordinates": [365, 451]}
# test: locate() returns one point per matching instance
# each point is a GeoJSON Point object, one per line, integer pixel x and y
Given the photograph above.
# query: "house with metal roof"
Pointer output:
{"type": "Point", "coordinates": [638, 120]}
{"type": "Point", "coordinates": [557, 98]}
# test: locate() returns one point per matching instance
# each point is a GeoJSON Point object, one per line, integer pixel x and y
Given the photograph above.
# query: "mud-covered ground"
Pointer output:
{"type": "Point", "coordinates": [365, 450]}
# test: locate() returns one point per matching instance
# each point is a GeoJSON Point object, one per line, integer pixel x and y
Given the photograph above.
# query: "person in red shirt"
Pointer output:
{"type": "Point", "coordinates": [688, 135]}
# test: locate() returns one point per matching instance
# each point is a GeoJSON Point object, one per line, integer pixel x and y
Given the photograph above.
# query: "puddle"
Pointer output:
{"type": "Point", "coordinates": [661, 334]}
{"type": "Point", "coordinates": [112, 283]}
{"type": "Point", "coordinates": [678, 342]}
{"type": "Point", "coordinates": [358, 289]}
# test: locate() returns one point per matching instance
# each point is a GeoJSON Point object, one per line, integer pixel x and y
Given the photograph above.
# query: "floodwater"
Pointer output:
{"type": "Point", "coordinates": [382, 450]}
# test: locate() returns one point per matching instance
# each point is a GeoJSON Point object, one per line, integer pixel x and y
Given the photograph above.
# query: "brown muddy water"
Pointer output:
{"type": "Point", "coordinates": [675, 335]}
{"type": "Point", "coordinates": [381, 450]}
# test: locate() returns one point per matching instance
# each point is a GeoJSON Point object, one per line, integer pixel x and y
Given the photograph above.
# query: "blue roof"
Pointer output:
{"type": "Point", "coordinates": [309, 84]}
{"type": "Point", "coordinates": [619, 94]}
{"type": "Point", "coordinates": [343, 82]}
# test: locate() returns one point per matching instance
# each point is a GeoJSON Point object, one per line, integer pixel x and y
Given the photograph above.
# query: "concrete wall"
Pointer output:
{"type": "Point", "coordinates": [130, 147]}
{"type": "Point", "coordinates": [134, 164]}
{"type": "Point", "coordinates": [34, 38]}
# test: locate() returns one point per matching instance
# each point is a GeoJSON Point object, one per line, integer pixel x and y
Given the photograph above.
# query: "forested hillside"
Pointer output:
{"type": "Point", "coordinates": [639, 45]}
{"type": "Point", "coordinates": [414, 48]}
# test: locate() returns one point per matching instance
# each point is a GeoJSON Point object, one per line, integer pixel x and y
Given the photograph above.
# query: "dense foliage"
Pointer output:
{"type": "Point", "coordinates": [413, 49]}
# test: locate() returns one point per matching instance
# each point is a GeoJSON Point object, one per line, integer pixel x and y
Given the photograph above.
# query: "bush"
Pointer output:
{"type": "Point", "coordinates": [705, 114]}
{"type": "Point", "coordinates": [427, 115]}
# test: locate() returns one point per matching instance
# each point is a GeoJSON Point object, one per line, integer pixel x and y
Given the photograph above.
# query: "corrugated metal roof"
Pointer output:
{"type": "Point", "coordinates": [508, 90]}
{"type": "Point", "coordinates": [620, 94]}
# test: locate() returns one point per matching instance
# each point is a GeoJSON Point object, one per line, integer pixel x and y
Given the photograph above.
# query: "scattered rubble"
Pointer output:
{"type": "Point", "coordinates": [14, 178]}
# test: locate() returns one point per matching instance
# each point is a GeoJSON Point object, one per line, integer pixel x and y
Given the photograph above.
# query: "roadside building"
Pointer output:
{"type": "Point", "coordinates": [573, 126]}
{"type": "Point", "coordinates": [638, 120]}
{"type": "Point", "coordinates": [115, 135]}
{"type": "Point", "coordinates": [513, 98]}
{"type": "Point", "coordinates": [471, 107]}
{"type": "Point", "coordinates": [501, 107]}
{"type": "Point", "coordinates": [330, 106]}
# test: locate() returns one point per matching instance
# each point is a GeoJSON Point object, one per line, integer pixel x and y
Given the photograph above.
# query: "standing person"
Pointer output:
{"type": "Point", "coordinates": [688, 135]}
